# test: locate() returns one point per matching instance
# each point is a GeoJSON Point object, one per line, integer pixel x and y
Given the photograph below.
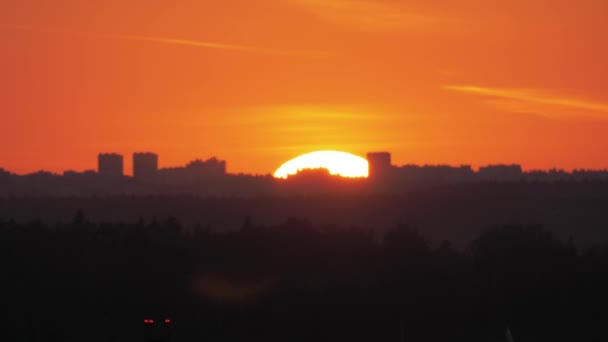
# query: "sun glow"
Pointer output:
{"type": "Point", "coordinates": [338, 163]}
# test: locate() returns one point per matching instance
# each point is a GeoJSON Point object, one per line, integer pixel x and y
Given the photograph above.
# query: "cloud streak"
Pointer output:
{"type": "Point", "coordinates": [220, 46]}
{"type": "Point", "coordinates": [174, 41]}
{"type": "Point", "coordinates": [535, 101]}
{"type": "Point", "coordinates": [368, 15]}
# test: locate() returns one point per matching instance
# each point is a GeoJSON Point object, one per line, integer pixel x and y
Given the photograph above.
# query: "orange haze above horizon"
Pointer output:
{"type": "Point", "coordinates": [259, 82]}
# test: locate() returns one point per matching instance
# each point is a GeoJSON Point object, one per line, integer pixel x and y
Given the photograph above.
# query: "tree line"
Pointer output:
{"type": "Point", "coordinates": [82, 280]}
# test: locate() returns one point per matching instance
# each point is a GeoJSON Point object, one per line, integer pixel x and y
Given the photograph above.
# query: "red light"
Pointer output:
{"type": "Point", "coordinates": [167, 320]}
{"type": "Point", "coordinates": [148, 321]}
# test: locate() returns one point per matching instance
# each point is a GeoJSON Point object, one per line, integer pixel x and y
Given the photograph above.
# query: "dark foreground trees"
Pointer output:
{"type": "Point", "coordinates": [99, 281]}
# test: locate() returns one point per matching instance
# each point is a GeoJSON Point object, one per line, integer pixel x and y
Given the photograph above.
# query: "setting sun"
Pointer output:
{"type": "Point", "coordinates": [338, 163]}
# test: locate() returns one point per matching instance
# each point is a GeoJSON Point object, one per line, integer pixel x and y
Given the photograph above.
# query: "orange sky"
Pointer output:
{"type": "Point", "coordinates": [258, 82]}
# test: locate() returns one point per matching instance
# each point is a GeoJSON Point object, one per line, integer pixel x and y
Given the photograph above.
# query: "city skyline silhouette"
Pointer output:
{"type": "Point", "coordinates": [119, 163]}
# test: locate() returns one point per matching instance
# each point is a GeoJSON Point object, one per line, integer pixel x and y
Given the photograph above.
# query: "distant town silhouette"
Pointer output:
{"type": "Point", "coordinates": [210, 178]}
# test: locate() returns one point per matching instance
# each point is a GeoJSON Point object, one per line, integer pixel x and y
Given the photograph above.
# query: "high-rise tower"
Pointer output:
{"type": "Point", "coordinates": [379, 164]}
{"type": "Point", "coordinates": [110, 165]}
{"type": "Point", "coordinates": [145, 166]}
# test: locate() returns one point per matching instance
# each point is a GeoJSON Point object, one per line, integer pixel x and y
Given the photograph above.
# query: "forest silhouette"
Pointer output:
{"type": "Point", "coordinates": [99, 281]}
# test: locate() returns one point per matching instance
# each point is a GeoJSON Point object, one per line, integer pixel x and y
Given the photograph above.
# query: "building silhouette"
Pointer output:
{"type": "Point", "coordinates": [434, 173]}
{"type": "Point", "coordinates": [379, 164]}
{"type": "Point", "coordinates": [145, 166]}
{"type": "Point", "coordinates": [194, 172]}
{"type": "Point", "coordinates": [210, 168]}
{"type": "Point", "coordinates": [110, 165]}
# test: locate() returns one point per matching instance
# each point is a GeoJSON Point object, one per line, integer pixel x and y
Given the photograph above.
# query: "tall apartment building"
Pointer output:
{"type": "Point", "coordinates": [145, 166]}
{"type": "Point", "coordinates": [110, 165]}
{"type": "Point", "coordinates": [379, 164]}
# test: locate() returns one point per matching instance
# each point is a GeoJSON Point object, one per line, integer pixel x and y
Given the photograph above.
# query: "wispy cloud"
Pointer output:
{"type": "Point", "coordinates": [368, 14]}
{"type": "Point", "coordinates": [535, 101]}
{"type": "Point", "coordinates": [303, 127]}
{"type": "Point", "coordinates": [211, 45]}
{"type": "Point", "coordinates": [174, 41]}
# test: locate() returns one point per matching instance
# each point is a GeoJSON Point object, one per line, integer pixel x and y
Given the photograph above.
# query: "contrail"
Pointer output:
{"type": "Point", "coordinates": [174, 41]}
